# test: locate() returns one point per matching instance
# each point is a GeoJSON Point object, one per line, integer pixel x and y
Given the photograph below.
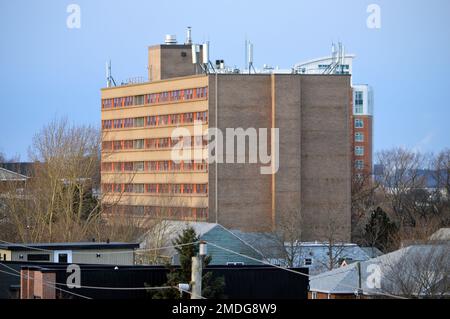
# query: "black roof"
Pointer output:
{"type": "Point", "coordinates": [74, 245]}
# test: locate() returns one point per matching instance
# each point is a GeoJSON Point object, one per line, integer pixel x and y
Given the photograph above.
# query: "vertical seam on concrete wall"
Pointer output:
{"type": "Point", "coordinates": [350, 131]}
{"type": "Point", "coordinates": [216, 168]}
{"type": "Point", "coordinates": [272, 151]}
{"type": "Point", "coordinates": [300, 212]}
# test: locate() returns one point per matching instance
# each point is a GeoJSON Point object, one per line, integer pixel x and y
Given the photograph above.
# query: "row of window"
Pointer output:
{"type": "Point", "coordinates": [183, 213]}
{"type": "Point", "coordinates": [155, 98]}
{"type": "Point", "coordinates": [155, 188]}
{"type": "Point", "coordinates": [155, 166]}
{"type": "Point", "coordinates": [156, 120]}
{"type": "Point", "coordinates": [155, 143]}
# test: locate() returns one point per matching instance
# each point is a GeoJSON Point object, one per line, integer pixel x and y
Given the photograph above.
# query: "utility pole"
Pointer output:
{"type": "Point", "coordinates": [359, 291]}
{"type": "Point", "coordinates": [196, 274]}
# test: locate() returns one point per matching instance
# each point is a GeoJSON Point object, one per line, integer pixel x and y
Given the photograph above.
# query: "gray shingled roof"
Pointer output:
{"type": "Point", "coordinates": [441, 234]}
{"type": "Point", "coordinates": [7, 175]}
{"type": "Point", "coordinates": [344, 280]}
{"type": "Point", "coordinates": [211, 233]}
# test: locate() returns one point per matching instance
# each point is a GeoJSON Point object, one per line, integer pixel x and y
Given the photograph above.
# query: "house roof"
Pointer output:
{"type": "Point", "coordinates": [212, 233]}
{"type": "Point", "coordinates": [371, 252]}
{"type": "Point", "coordinates": [345, 280]}
{"type": "Point", "coordinates": [69, 245]}
{"type": "Point", "coordinates": [7, 175]}
{"type": "Point", "coordinates": [170, 229]}
{"type": "Point", "coordinates": [271, 248]}
{"type": "Point", "coordinates": [441, 234]}
{"type": "Point", "coordinates": [23, 168]}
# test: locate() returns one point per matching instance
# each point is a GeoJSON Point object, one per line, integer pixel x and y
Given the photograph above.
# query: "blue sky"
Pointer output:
{"type": "Point", "coordinates": [49, 70]}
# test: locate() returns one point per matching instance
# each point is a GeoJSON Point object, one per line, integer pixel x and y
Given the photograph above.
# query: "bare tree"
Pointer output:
{"type": "Point", "coordinates": [420, 272]}
{"type": "Point", "coordinates": [284, 243]}
{"type": "Point", "coordinates": [60, 201]}
{"type": "Point", "coordinates": [363, 201]}
{"type": "Point", "coordinates": [405, 195]}
{"type": "Point", "coordinates": [440, 168]}
{"type": "Point", "coordinates": [155, 239]}
{"type": "Point", "coordinates": [335, 247]}
{"type": "Point", "coordinates": [399, 178]}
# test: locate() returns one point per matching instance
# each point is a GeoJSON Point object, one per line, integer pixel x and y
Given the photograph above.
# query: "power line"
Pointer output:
{"type": "Point", "coordinates": [46, 283]}
{"type": "Point", "coordinates": [53, 285]}
{"type": "Point", "coordinates": [296, 272]}
{"type": "Point", "coordinates": [268, 263]}
{"type": "Point", "coordinates": [226, 249]}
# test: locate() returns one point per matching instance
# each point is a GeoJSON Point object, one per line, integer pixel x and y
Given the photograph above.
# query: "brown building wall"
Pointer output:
{"type": "Point", "coordinates": [287, 100]}
{"type": "Point", "coordinates": [243, 194]}
{"type": "Point", "coordinates": [325, 157]}
{"type": "Point", "coordinates": [313, 179]}
{"type": "Point", "coordinates": [170, 61]}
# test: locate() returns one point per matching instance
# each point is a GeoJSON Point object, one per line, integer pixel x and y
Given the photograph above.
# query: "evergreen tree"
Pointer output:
{"type": "Point", "coordinates": [379, 230]}
{"type": "Point", "coordinates": [212, 287]}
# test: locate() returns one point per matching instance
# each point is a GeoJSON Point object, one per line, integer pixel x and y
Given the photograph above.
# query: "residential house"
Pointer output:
{"type": "Point", "coordinates": [318, 257]}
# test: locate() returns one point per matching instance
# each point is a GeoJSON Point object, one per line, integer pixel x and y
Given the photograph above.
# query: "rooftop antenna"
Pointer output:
{"type": "Point", "coordinates": [333, 52]}
{"type": "Point", "coordinates": [195, 52]}
{"type": "Point", "coordinates": [109, 78]}
{"type": "Point", "coordinates": [250, 57]}
{"type": "Point", "coordinates": [206, 63]}
{"type": "Point", "coordinates": [189, 35]}
{"type": "Point", "coordinates": [246, 52]}
{"type": "Point", "coordinates": [337, 58]}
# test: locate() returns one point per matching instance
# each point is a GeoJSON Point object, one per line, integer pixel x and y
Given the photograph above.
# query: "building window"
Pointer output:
{"type": "Point", "coordinates": [128, 145]}
{"type": "Point", "coordinates": [308, 261]}
{"type": "Point", "coordinates": [128, 166]}
{"type": "Point", "coordinates": [38, 257]}
{"type": "Point", "coordinates": [139, 122]}
{"type": "Point", "coordinates": [138, 100]}
{"type": "Point", "coordinates": [314, 295]}
{"type": "Point", "coordinates": [359, 102]}
{"type": "Point", "coordinates": [235, 263]}
{"type": "Point", "coordinates": [359, 123]}
{"type": "Point", "coordinates": [359, 150]}
{"type": "Point", "coordinates": [138, 144]}
{"type": "Point", "coordinates": [359, 137]}
{"type": "Point", "coordinates": [139, 166]}
{"type": "Point", "coordinates": [359, 164]}
{"type": "Point", "coordinates": [138, 188]}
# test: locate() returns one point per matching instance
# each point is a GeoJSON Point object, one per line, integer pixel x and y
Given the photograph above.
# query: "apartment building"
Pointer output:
{"type": "Point", "coordinates": [340, 62]}
{"type": "Point", "coordinates": [140, 179]}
